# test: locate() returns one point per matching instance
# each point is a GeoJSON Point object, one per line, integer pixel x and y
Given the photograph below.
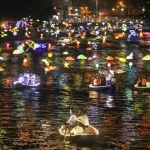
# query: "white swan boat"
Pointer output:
{"type": "Point", "coordinates": [77, 126]}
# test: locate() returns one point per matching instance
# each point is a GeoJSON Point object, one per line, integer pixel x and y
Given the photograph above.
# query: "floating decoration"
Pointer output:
{"type": "Point", "coordinates": [77, 130]}
{"type": "Point", "coordinates": [78, 44]}
{"type": "Point", "coordinates": [130, 56]}
{"type": "Point", "coordinates": [7, 46]}
{"type": "Point", "coordinates": [50, 54]}
{"type": "Point", "coordinates": [122, 59]}
{"type": "Point", "coordinates": [19, 50]}
{"type": "Point", "coordinates": [49, 68]}
{"type": "Point", "coordinates": [45, 61]}
{"type": "Point", "coordinates": [90, 58]}
{"type": "Point", "coordinates": [30, 43]}
{"type": "Point", "coordinates": [66, 64]}
{"type": "Point", "coordinates": [88, 48]}
{"type": "Point", "coordinates": [146, 57]}
{"type": "Point", "coordinates": [97, 66]}
{"type": "Point", "coordinates": [25, 61]}
{"type": "Point", "coordinates": [69, 58]}
{"type": "Point", "coordinates": [1, 69]}
{"type": "Point", "coordinates": [96, 55]}
{"type": "Point", "coordinates": [49, 46]}
{"type": "Point", "coordinates": [2, 58]}
{"type": "Point", "coordinates": [81, 56]}
{"type": "Point", "coordinates": [65, 53]}
{"type": "Point", "coordinates": [109, 58]}
{"type": "Point", "coordinates": [130, 64]}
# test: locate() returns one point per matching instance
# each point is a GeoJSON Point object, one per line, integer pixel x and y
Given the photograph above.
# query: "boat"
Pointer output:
{"type": "Point", "coordinates": [32, 80]}
{"type": "Point", "coordinates": [99, 86]}
{"type": "Point", "coordinates": [77, 127]}
{"type": "Point", "coordinates": [141, 88]}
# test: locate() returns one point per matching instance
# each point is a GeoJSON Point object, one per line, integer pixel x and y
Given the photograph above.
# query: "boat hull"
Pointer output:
{"type": "Point", "coordinates": [99, 87]}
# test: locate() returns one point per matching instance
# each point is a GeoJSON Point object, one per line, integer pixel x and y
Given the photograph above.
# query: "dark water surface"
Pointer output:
{"type": "Point", "coordinates": [30, 117]}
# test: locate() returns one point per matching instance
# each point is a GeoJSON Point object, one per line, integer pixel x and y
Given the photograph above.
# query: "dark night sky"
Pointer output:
{"type": "Point", "coordinates": [23, 8]}
{"type": "Point", "coordinates": [43, 9]}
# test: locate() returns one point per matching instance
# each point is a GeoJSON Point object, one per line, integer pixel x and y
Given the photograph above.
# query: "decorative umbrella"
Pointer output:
{"type": "Point", "coordinates": [1, 69]}
{"type": "Point", "coordinates": [146, 57]}
{"type": "Point", "coordinates": [65, 53]}
{"type": "Point", "coordinates": [109, 58]}
{"type": "Point", "coordinates": [69, 58]}
{"type": "Point", "coordinates": [81, 56]}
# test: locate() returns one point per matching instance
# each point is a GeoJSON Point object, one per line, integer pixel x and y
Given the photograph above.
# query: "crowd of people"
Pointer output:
{"type": "Point", "coordinates": [143, 82]}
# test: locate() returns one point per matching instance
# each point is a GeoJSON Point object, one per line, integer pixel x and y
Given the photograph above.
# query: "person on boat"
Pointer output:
{"type": "Point", "coordinates": [113, 88]}
{"type": "Point", "coordinates": [138, 83]}
{"type": "Point", "coordinates": [97, 81]}
{"type": "Point", "coordinates": [148, 83]}
{"type": "Point", "coordinates": [108, 78]}
{"type": "Point", "coordinates": [101, 71]}
{"type": "Point", "coordinates": [92, 79]}
{"type": "Point", "coordinates": [103, 80]}
{"type": "Point", "coordinates": [113, 80]}
{"type": "Point", "coordinates": [83, 117]}
{"type": "Point", "coordinates": [77, 129]}
{"type": "Point", "coordinates": [21, 78]}
{"type": "Point", "coordinates": [33, 78]}
{"type": "Point", "coordinates": [26, 77]}
{"type": "Point", "coordinates": [143, 82]}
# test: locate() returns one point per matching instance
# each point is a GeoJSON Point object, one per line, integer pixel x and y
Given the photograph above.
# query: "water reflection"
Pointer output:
{"type": "Point", "coordinates": [30, 118]}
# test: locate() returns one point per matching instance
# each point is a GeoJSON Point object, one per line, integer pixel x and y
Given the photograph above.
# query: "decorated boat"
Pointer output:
{"type": "Point", "coordinates": [27, 80]}
{"type": "Point", "coordinates": [76, 126]}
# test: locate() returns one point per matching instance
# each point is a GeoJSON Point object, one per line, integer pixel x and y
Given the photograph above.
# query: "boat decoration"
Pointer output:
{"type": "Point", "coordinates": [1, 69]}
{"type": "Point", "coordinates": [109, 58]}
{"type": "Point", "coordinates": [82, 57]}
{"type": "Point", "coordinates": [19, 50]}
{"type": "Point", "coordinates": [129, 57]}
{"type": "Point", "coordinates": [77, 126]}
{"type": "Point", "coordinates": [146, 57]}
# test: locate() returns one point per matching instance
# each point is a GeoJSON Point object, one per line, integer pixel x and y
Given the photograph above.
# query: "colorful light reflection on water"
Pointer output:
{"type": "Point", "coordinates": [30, 118]}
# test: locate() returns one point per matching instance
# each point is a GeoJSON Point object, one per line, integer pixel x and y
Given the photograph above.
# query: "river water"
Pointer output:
{"type": "Point", "coordinates": [30, 117]}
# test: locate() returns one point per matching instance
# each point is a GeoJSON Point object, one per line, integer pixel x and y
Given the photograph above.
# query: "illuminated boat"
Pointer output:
{"type": "Point", "coordinates": [32, 80]}
{"type": "Point", "coordinates": [77, 126]}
